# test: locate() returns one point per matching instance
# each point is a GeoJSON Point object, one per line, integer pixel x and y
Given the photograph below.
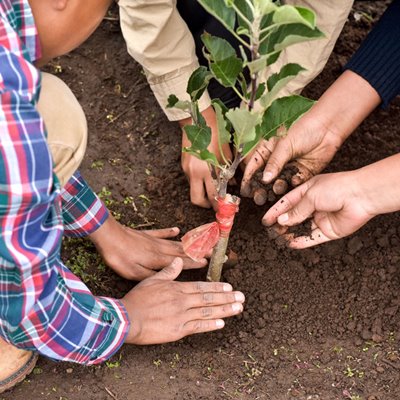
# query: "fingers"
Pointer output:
{"type": "Point", "coordinates": [198, 194]}
{"type": "Point", "coordinates": [165, 233]}
{"type": "Point", "coordinates": [277, 160]}
{"type": "Point", "coordinates": [302, 175]}
{"type": "Point", "coordinates": [255, 163]}
{"type": "Point", "coordinates": [302, 242]}
{"type": "Point", "coordinates": [171, 272]}
{"type": "Point", "coordinates": [291, 209]}
{"type": "Point", "coordinates": [211, 192]}
{"type": "Point", "coordinates": [206, 287]}
{"type": "Point", "coordinates": [214, 299]}
{"type": "Point", "coordinates": [208, 319]}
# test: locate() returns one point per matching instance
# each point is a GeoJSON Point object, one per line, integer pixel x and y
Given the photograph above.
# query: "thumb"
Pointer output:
{"type": "Point", "coordinates": [298, 213]}
{"type": "Point", "coordinates": [171, 272]}
{"type": "Point", "coordinates": [277, 160]}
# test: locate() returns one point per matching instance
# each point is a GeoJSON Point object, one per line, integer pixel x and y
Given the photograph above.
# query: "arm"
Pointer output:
{"type": "Point", "coordinates": [159, 39]}
{"type": "Point", "coordinates": [373, 72]}
{"type": "Point", "coordinates": [43, 306]}
{"type": "Point", "coordinates": [358, 196]}
{"type": "Point", "coordinates": [161, 42]}
{"type": "Point", "coordinates": [314, 139]}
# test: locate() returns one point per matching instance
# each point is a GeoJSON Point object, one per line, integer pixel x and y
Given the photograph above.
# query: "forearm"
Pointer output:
{"type": "Point", "coordinates": [160, 41]}
{"type": "Point", "coordinates": [346, 103]}
{"type": "Point", "coordinates": [378, 58]}
{"type": "Point", "coordinates": [377, 186]}
{"type": "Point", "coordinates": [83, 212]}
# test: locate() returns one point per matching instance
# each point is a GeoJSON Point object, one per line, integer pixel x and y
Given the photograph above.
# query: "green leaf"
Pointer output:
{"type": "Point", "coordinates": [174, 102]}
{"type": "Point", "coordinates": [198, 83]}
{"type": "Point", "coordinates": [199, 136]}
{"type": "Point", "coordinates": [245, 10]}
{"type": "Point", "coordinates": [263, 7]}
{"type": "Point", "coordinates": [224, 63]}
{"type": "Point", "coordinates": [257, 65]}
{"type": "Point", "coordinates": [223, 134]}
{"type": "Point", "coordinates": [294, 15]}
{"type": "Point", "coordinates": [204, 155]}
{"type": "Point", "coordinates": [287, 35]}
{"type": "Point", "coordinates": [278, 81]}
{"type": "Point", "coordinates": [219, 49]}
{"type": "Point", "coordinates": [244, 123]}
{"type": "Point", "coordinates": [227, 71]}
{"type": "Point", "coordinates": [284, 112]}
{"type": "Point", "coordinates": [221, 11]}
{"type": "Point", "coordinates": [260, 91]}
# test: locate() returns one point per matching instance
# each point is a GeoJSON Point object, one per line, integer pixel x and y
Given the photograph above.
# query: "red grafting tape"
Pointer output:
{"type": "Point", "coordinates": [227, 208]}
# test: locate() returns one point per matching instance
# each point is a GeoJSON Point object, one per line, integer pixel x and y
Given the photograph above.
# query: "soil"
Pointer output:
{"type": "Point", "coordinates": [322, 323]}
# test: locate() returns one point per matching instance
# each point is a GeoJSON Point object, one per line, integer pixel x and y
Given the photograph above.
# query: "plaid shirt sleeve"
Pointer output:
{"type": "Point", "coordinates": [43, 306]}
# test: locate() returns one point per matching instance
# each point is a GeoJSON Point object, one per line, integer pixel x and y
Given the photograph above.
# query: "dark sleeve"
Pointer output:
{"type": "Point", "coordinates": [378, 58]}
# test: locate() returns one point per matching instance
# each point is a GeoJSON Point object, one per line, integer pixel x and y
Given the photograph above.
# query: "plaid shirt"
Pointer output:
{"type": "Point", "coordinates": [43, 306]}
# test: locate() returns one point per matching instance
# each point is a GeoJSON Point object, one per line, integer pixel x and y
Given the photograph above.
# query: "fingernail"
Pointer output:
{"type": "Point", "coordinates": [283, 218]}
{"type": "Point", "coordinates": [239, 297]}
{"type": "Point", "coordinates": [237, 307]}
{"type": "Point", "coordinates": [267, 176]}
{"type": "Point", "coordinates": [220, 323]}
{"type": "Point", "coordinates": [227, 287]}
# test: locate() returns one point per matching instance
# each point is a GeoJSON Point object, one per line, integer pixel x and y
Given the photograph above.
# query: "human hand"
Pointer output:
{"type": "Point", "coordinates": [162, 310]}
{"type": "Point", "coordinates": [202, 188]}
{"type": "Point", "coordinates": [334, 202]}
{"type": "Point", "coordinates": [136, 255]}
{"type": "Point", "coordinates": [314, 139]}
{"type": "Point", "coordinates": [309, 144]}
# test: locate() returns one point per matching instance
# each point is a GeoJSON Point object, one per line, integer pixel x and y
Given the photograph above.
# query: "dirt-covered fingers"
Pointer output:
{"type": "Point", "coordinates": [254, 162]}
{"type": "Point", "coordinates": [315, 238]}
{"type": "Point", "coordinates": [303, 174]}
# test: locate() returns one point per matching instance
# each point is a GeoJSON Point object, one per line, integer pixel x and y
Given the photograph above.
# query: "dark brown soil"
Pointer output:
{"type": "Point", "coordinates": [321, 323]}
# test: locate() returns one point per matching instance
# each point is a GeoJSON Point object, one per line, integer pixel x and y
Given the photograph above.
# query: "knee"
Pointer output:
{"type": "Point", "coordinates": [65, 124]}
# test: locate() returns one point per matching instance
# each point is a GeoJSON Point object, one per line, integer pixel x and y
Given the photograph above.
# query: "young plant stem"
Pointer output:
{"type": "Point", "coordinates": [218, 257]}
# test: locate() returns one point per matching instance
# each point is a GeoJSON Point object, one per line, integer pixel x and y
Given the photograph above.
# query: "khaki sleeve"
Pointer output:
{"type": "Point", "coordinates": [159, 39]}
{"type": "Point", "coordinates": [313, 55]}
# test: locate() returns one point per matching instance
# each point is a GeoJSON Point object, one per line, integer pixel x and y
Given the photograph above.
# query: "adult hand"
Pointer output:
{"type": "Point", "coordinates": [202, 188]}
{"type": "Point", "coordinates": [136, 255]}
{"type": "Point", "coordinates": [308, 142]}
{"type": "Point", "coordinates": [162, 310]}
{"type": "Point", "coordinates": [334, 202]}
{"type": "Point", "coordinates": [313, 140]}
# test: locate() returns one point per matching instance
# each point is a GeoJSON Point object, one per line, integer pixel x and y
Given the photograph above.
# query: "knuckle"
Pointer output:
{"type": "Point", "coordinates": [199, 287]}
{"type": "Point", "coordinates": [207, 312]}
{"type": "Point", "coordinates": [208, 298]}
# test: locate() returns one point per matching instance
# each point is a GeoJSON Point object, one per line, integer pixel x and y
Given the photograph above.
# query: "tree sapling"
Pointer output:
{"type": "Point", "coordinates": [263, 28]}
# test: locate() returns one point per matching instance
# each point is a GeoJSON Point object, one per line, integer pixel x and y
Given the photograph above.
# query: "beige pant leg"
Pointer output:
{"type": "Point", "coordinates": [66, 126]}
{"type": "Point", "coordinates": [313, 55]}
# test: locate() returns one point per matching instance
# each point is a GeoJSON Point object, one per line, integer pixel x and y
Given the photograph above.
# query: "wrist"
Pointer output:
{"type": "Point", "coordinates": [377, 186]}
{"type": "Point", "coordinates": [347, 102]}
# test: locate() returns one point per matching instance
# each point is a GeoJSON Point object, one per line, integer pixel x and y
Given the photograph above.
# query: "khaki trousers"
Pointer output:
{"type": "Point", "coordinates": [313, 55]}
{"type": "Point", "coordinates": [66, 126]}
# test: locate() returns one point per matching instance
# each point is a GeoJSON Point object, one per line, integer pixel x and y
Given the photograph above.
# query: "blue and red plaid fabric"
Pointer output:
{"type": "Point", "coordinates": [43, 306]}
